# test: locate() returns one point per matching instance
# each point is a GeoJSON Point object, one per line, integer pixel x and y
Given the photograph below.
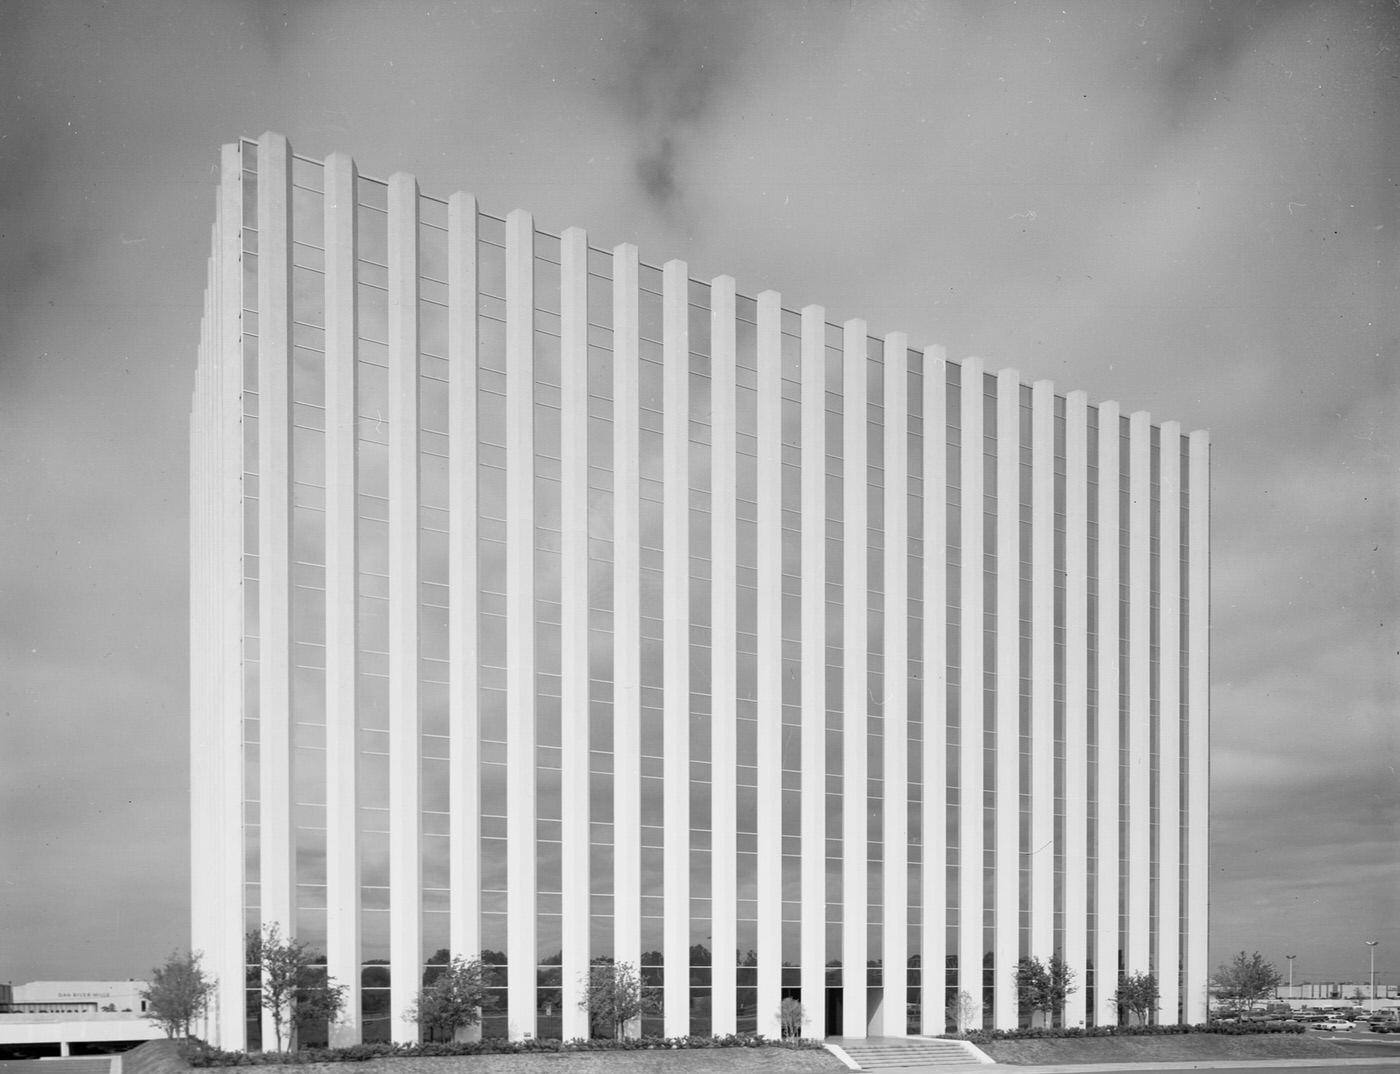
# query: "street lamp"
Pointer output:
{"type": "Point", "coordinates": [1372, 945]}
{"type": "Point", "coordinates": [1290, 974]}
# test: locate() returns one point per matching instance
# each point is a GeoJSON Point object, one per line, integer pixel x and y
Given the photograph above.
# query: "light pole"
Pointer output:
{"type": "Point", "coordinates": [1290, 974]}
{"type": "Point", "coordinates": [1372, 945]}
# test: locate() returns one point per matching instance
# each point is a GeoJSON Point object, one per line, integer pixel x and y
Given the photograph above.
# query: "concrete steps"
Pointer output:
{"type": "Point", "coordinates": [903, 1053]}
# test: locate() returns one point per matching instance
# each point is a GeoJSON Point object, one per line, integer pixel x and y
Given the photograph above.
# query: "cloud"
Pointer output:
{"type": "Point", "coordinates": [674, 59]}
{"type": "Point", "coordinates": [1182, 207]}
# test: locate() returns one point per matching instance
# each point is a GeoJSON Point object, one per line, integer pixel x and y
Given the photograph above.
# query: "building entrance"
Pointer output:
{"type": "Point", "coordinates": [834, 1012]}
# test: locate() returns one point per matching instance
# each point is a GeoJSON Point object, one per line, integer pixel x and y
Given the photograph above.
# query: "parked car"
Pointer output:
{"type": "Point", "coordinates": [1335, 1025]}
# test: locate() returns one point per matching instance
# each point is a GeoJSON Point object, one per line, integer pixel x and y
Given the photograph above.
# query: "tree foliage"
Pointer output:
{"type": "Point", "coordinates": [1245, 980]}
{"type": "Point", "coordinates": [1137, 994]}
{"type": "Point", "coordinates": [962, 1012]}
{"type": "Point", "coordinates": [296, 989]}
{"type": "Point", "coordinates": [178, 994]}
{"type": "Point", "coordinates": [792, 1016]}
{"type": "Point", "coordinates": [453, 999]}
{"type": "Point", "coordinates": [1042, 986]}
{"type": "Point", "coordinates": [613, 995]}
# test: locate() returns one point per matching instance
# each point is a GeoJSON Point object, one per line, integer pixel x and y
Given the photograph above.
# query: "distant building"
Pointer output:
{"type": "Point", "coordinates": [553, 606]}
{"type": "Point", "coordinates": [49, 1018]}
{"type": "Point", "coordinates": [76, 997]}
{"type": "Point", "coordinates": [1338, 990]}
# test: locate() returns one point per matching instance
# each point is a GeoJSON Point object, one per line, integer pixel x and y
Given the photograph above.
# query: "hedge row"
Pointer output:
{"type": "Point", "coordinates": [199, 1054]}
{"type": "Point", "coordinates": [984, 1036]}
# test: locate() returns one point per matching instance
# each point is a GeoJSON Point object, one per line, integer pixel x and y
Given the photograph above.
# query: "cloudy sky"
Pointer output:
{"type": "Point", "coordinates": [1190, 208]}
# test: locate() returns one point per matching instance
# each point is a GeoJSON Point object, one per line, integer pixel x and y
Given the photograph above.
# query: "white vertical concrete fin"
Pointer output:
{"type": "Point", "coordinates": [1042, 850]}
{"type": "Point", "coordinates": [855, 680]}
{"type": "Point", "coordinates": [573, 618]}
{"type": "Point", "coordinates": [1007, 824]}
{"type": "Point", "coordinates": [724, 638]}
{"type": "Point", "coordinates": [218, 849]}
{"type": "Point", "coordinates": [230, 682]}
{"type": "Point", "coordinates": [971, 699]}
{"type": "Point", "coordinates": [343, 956]}
{"type": "Point", "coordinates": [626, 610]}
{"type": "Point", "coordinates": [676, 618]}
{"type": "Point", "coordinates": [895, 938]}
{"type": "Point", "coordinates": [274, 470]}
{"type": "Point", "coordinates": [1139, 691]}
{"type": "Point", "coordinates": [521, 810]}
{"type": "Point", "coordinates": [934, 950]}
{"type": "Point", "coordinates": [813, 639]}
{"type": "Point", "coordinates": [1109, 908]}
{"type": "Point", "coordinates": [1198, 727]}
{"type": "Point", "coordinates": [769, 642]}
{"type": "Point", "coordinates": [405, 815]}
{"type": "Point", "coordinates": [1169, 959]}
{"type": "Point", "coordinates": [1077, 948]}
{"type": "Point", "coordinates": [463, 705]}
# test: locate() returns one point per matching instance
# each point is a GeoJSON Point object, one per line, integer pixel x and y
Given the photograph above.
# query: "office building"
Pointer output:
{"type": "Point", "coordinates": [553, 606]}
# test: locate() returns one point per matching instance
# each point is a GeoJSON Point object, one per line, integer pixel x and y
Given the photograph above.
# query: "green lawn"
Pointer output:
{"type": "Point", "coordinates": [678, 1061]}
{"type": "Point", "coordinates": [1186, 1047]}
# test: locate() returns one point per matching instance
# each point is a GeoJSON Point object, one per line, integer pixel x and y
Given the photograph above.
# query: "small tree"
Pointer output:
{"type": "Point", "coordinates": [613, 995]}
{"type": "Point", "coordinates": [963, 1011]}
{"type": "Point", "coordinates": [792, 1016]}
{"type": "Point", "coordinates": [1032, 985]}
{"type": "Point", "coordinates": [1041, 987]}
{"type": "Point", "coordinates": [453, 1000]}
{"type": "Point", "coordinates": [178, 994]}
{"type": "Point", "coordinates": [1245, 980]}
{"type": "Point", "coordinates": [296, 990]}
{"type": "Point", "coordinates": [1137, 994]}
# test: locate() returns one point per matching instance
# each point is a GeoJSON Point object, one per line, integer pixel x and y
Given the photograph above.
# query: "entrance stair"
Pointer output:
{"type": "Point", "coordinates": [909, 1053]}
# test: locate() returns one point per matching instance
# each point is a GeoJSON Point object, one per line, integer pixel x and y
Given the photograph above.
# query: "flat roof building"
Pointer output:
{"type": "Point", "coordinates": [551, 606]}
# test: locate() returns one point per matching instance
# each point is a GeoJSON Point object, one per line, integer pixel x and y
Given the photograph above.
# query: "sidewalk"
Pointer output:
{"type": "Point", "coordinates": [1218, 1064]}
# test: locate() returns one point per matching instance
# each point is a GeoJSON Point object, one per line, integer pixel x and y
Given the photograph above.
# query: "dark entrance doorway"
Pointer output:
{"type": "Point", "coordinates": [834, 1011]}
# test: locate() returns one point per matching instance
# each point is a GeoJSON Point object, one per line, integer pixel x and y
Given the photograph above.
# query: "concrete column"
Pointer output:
{"type": "Point", "coordinates": [855, 682]}
{"type": "Point", "coordinates": [1198, 728]}
{"type": "Point", "coordinates": [573, 592]}
{"type": "Point", "coordinates": [627, 623]}
{"type": "Point", "coordinates": [520, 624]}
{"type": "Point", "coordinates": [1169, 738]}
{"type": "Point", "coordinates": [226, 923]}
{"type": "Point", "coordinates": [464, 749]}
{"type": "Point", "coordinates": [1077, 951]}
{"type": "Point", "coordinates": [1106, 939]}
{"type": "Point", "coordinates": [1042, 789]}
{"type": "Point", "coordinates": [724, 638]}
{"type": "Point", "coordinates": [675, 301]}
{"type": "Point", "coordinates": [934, 950]}
{"type": "Point", "coordinates": [277, 863]}
{"type": "Point", "coordinates": [970, 901]}
{"type": "Point", "coordinates": [769, 641]}
{"type": "Point", "coordinates": [204, 879]}
{"type": "Point", "coordinates": [342, 643]}
{"type": "Point", "coordinates": [814, 671]}
{"type": "Point", "coordinates": [1008, 703]}
{"type": "Point", "coordinates": [201, 744]}
{"type": "Point", "coordinates": [405, 813]}
{"type": "Point", "coordinates": [895, 938]}
{"type": "Point", "coordinates": [1139, 691]}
